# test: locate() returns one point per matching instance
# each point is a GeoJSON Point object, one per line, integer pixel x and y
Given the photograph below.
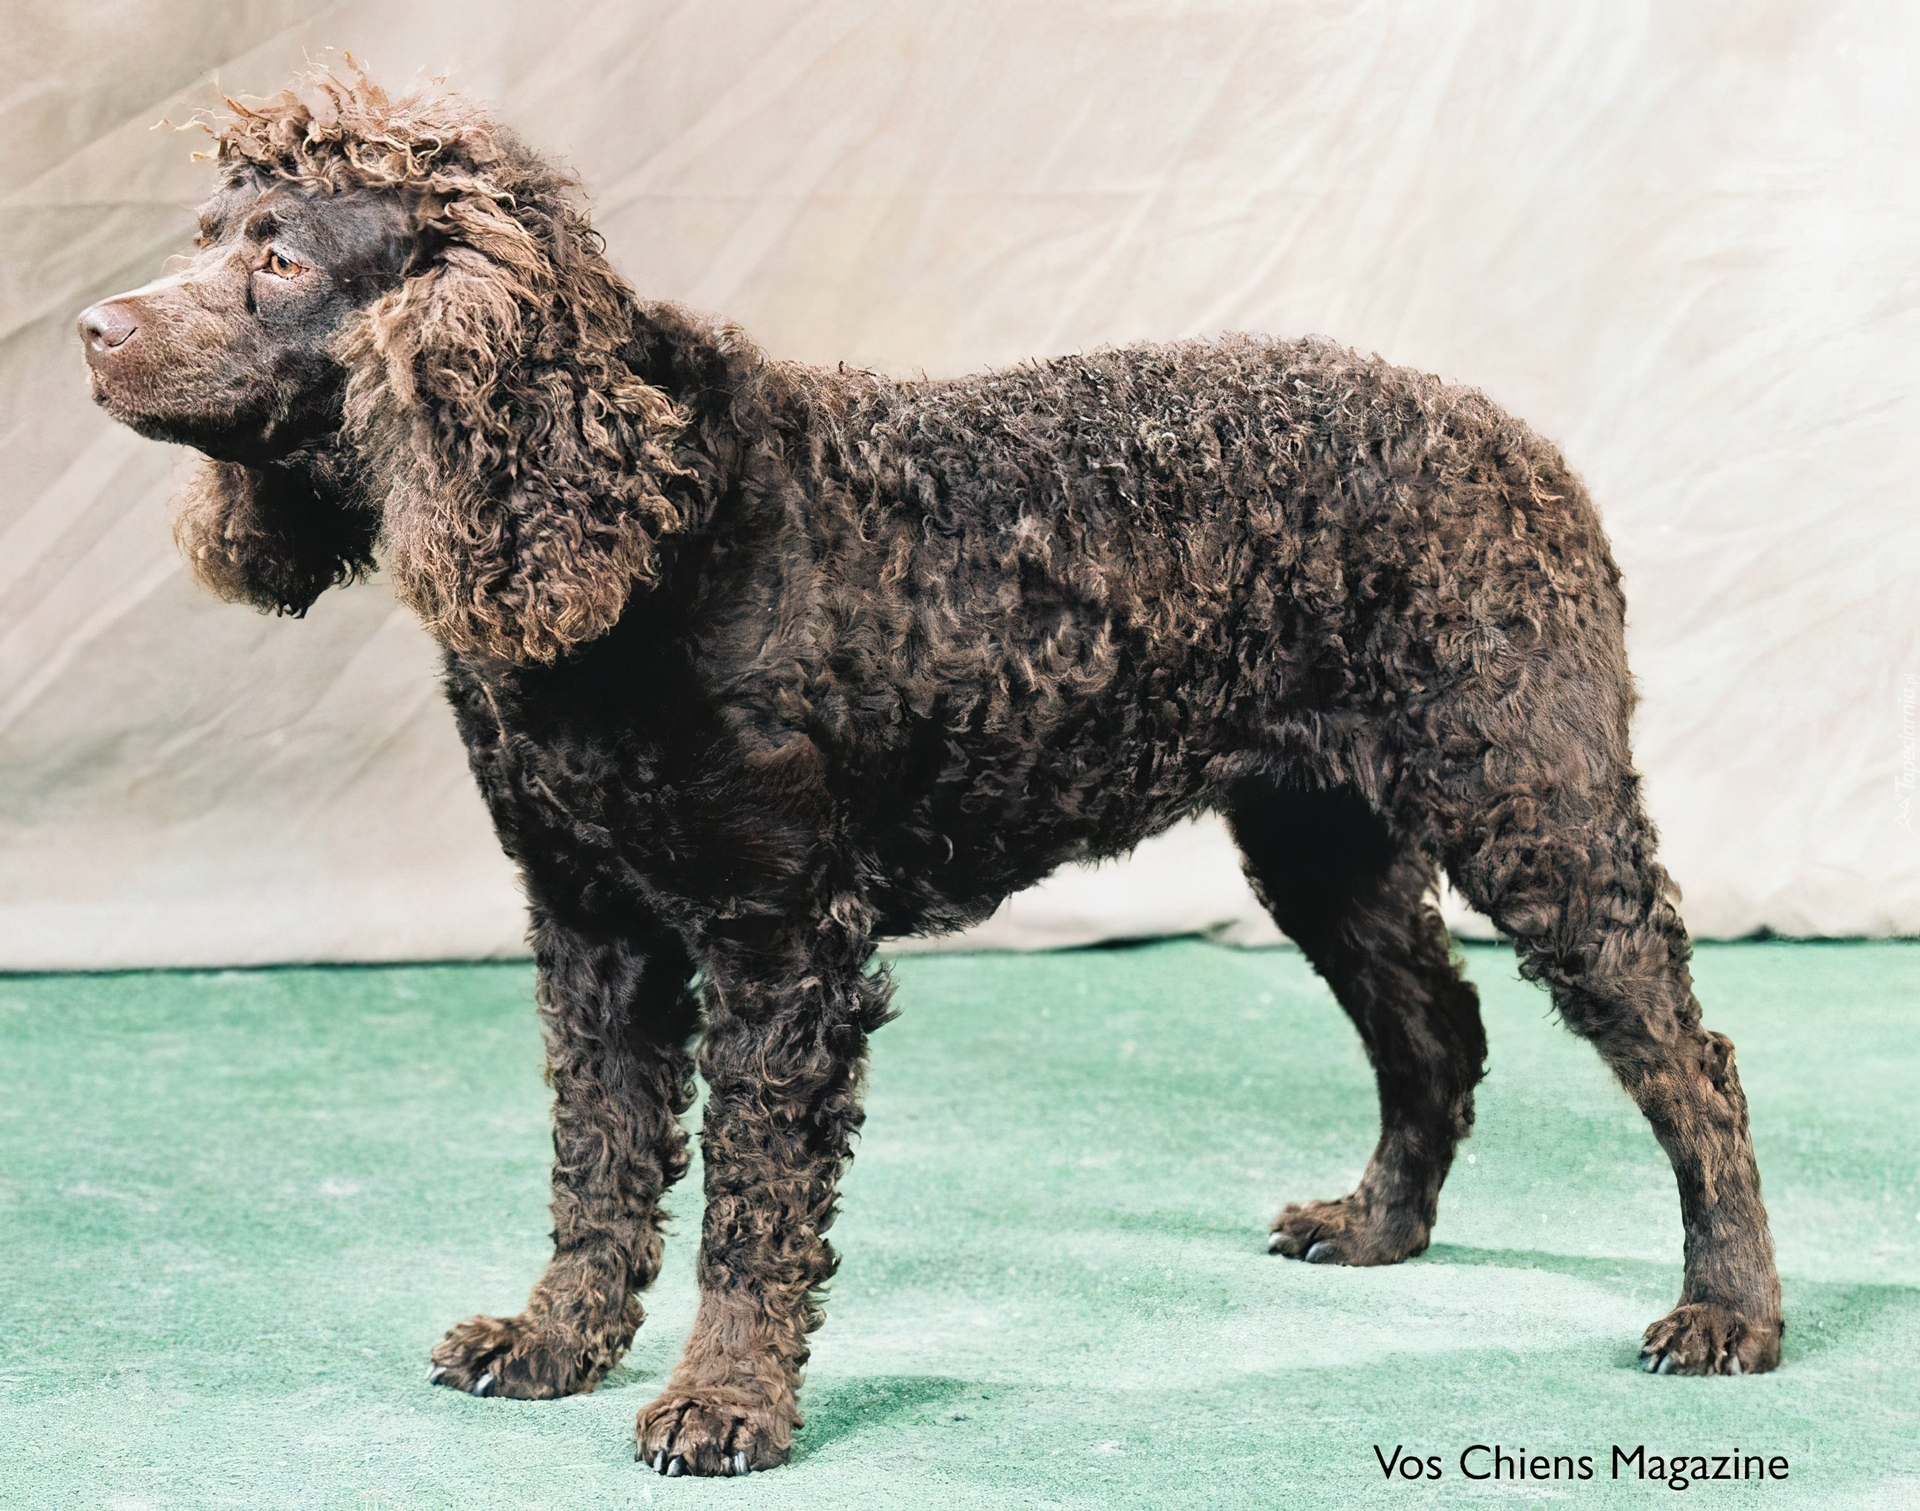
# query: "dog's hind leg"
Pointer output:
{"type": "Point", "coordinates": [1555, 849]}
{"type": "Point", "coordinates": [783, 1054]}
{"type": "Point", "coordinates": [617, 1014]}
{"type": "Point", "coordinates": [1357, 903]}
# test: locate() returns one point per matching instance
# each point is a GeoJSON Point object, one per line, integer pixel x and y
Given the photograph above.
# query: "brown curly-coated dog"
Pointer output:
{"type": "Point", "coordinates": [756, 662]}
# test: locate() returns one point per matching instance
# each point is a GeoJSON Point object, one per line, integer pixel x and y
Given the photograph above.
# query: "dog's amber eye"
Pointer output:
{"type": "Point", "coordinates": [282, 267]}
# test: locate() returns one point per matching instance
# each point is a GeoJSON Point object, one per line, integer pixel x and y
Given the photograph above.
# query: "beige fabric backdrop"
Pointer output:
{"type": "Point", "coordinates": [1679, 238]}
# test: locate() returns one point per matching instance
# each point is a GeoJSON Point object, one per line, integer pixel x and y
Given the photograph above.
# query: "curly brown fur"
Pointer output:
{"type": "Point", "coordinates": [617, 1014]}
{"type": "Point", "coordinates": [756, 662]}
{"type": "Point", "coordinates": [271, 536]}
{"type": "Point", "coordinates": [1360, 906]}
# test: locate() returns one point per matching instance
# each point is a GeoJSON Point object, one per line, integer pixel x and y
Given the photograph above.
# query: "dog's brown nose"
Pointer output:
{"type": "Point", "coordinates": [107, 325]}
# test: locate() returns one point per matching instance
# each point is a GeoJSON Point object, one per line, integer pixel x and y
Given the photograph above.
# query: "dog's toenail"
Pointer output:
{"type": "Point", "coordinates": [436, 1374]}
{"type": "Point", "coordinates": [740, 1464]}
{"type": "Point", "coordinates": [1666, 1364]}
{"type": "Point", "coordinates": [676, 1466]}
{"type": "Point", "coordinates": [483, 1386]}
{"type": "Point", "coordinates": [1273, 1243]}
{"type": "Point", "coordinates": [1733, 1365]}
{"type": "Point", "coordinates": [660, 1462]}
{"type": "Point", "coordinates": [1320, 1249]}
{"type": "Point", "coordinates": [1653, 1363]}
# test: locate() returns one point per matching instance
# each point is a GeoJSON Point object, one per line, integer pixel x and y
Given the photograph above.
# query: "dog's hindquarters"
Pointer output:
{"type": "Point", "coordinates": [1498, 745]}
{"type": "Point", "coordinates": [1563, 861]}
{"type": "Point", "coordinates": [1523, 786]}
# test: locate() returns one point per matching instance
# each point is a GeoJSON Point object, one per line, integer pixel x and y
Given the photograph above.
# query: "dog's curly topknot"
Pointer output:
{"type": "Point", "coordinates": [343, 131]}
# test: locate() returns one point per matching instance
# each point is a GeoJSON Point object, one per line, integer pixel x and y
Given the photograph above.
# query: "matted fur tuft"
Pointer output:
{"type": "Point", "coordinates": [263, 536]}
{"type": "Point", "coordinates": [522, 467]}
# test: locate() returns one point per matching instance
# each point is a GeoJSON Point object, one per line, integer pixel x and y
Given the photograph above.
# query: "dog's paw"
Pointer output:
{"type": "Point", "coordinates": [1704, 1338]}
{"type": "Point", "coordinates": [1345, 1232]}
{"type": "Point", "coordinates": [718, 1432]}
{"type": "Point", "coordinates": [511, 1356]}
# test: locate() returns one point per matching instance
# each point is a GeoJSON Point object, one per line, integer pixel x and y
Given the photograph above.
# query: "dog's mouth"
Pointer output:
{"type": "Point", "coordinates": [121, 398]}
{"type": "Point", "coordinates": [129, 400]}
{"type": "Point", "coordinates": [119, 339]}
{"type": "Point", "coordinates": [137, 374]}
{"type": "Point", "coordinates": [148, 388]}
{"type": "Point", "coordinates": [249, 444]}
{"type": "Point", "coordinates": [137, 400]}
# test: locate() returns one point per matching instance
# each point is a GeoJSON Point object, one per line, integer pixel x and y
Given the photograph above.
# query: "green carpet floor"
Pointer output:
{"type": "Point", "coordinates": [237, 1208]}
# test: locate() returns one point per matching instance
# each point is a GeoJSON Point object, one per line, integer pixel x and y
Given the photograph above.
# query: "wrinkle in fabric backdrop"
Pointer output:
{"type": "Point", "coordinates": [1678, 240]}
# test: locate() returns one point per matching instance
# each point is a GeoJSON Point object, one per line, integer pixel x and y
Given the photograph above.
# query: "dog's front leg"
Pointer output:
{"type": "Point", "coordinates": [616, 1012]}
{"type": "Point", "coordinates": [785, 1045]}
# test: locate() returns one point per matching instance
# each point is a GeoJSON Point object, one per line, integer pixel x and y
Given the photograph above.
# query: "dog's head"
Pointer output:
{"type": "Point", "coordinates": [400, 332]}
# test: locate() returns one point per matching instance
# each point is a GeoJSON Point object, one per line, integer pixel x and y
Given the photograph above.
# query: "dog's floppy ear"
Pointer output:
{"type": "Point", "coordinates": [522, 467]}
{"type": "Point", "coordinates": [265, 536]}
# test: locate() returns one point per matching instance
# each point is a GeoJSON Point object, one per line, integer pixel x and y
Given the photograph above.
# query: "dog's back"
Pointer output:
{"type": "Point", "coordinates": [1043, 612]}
